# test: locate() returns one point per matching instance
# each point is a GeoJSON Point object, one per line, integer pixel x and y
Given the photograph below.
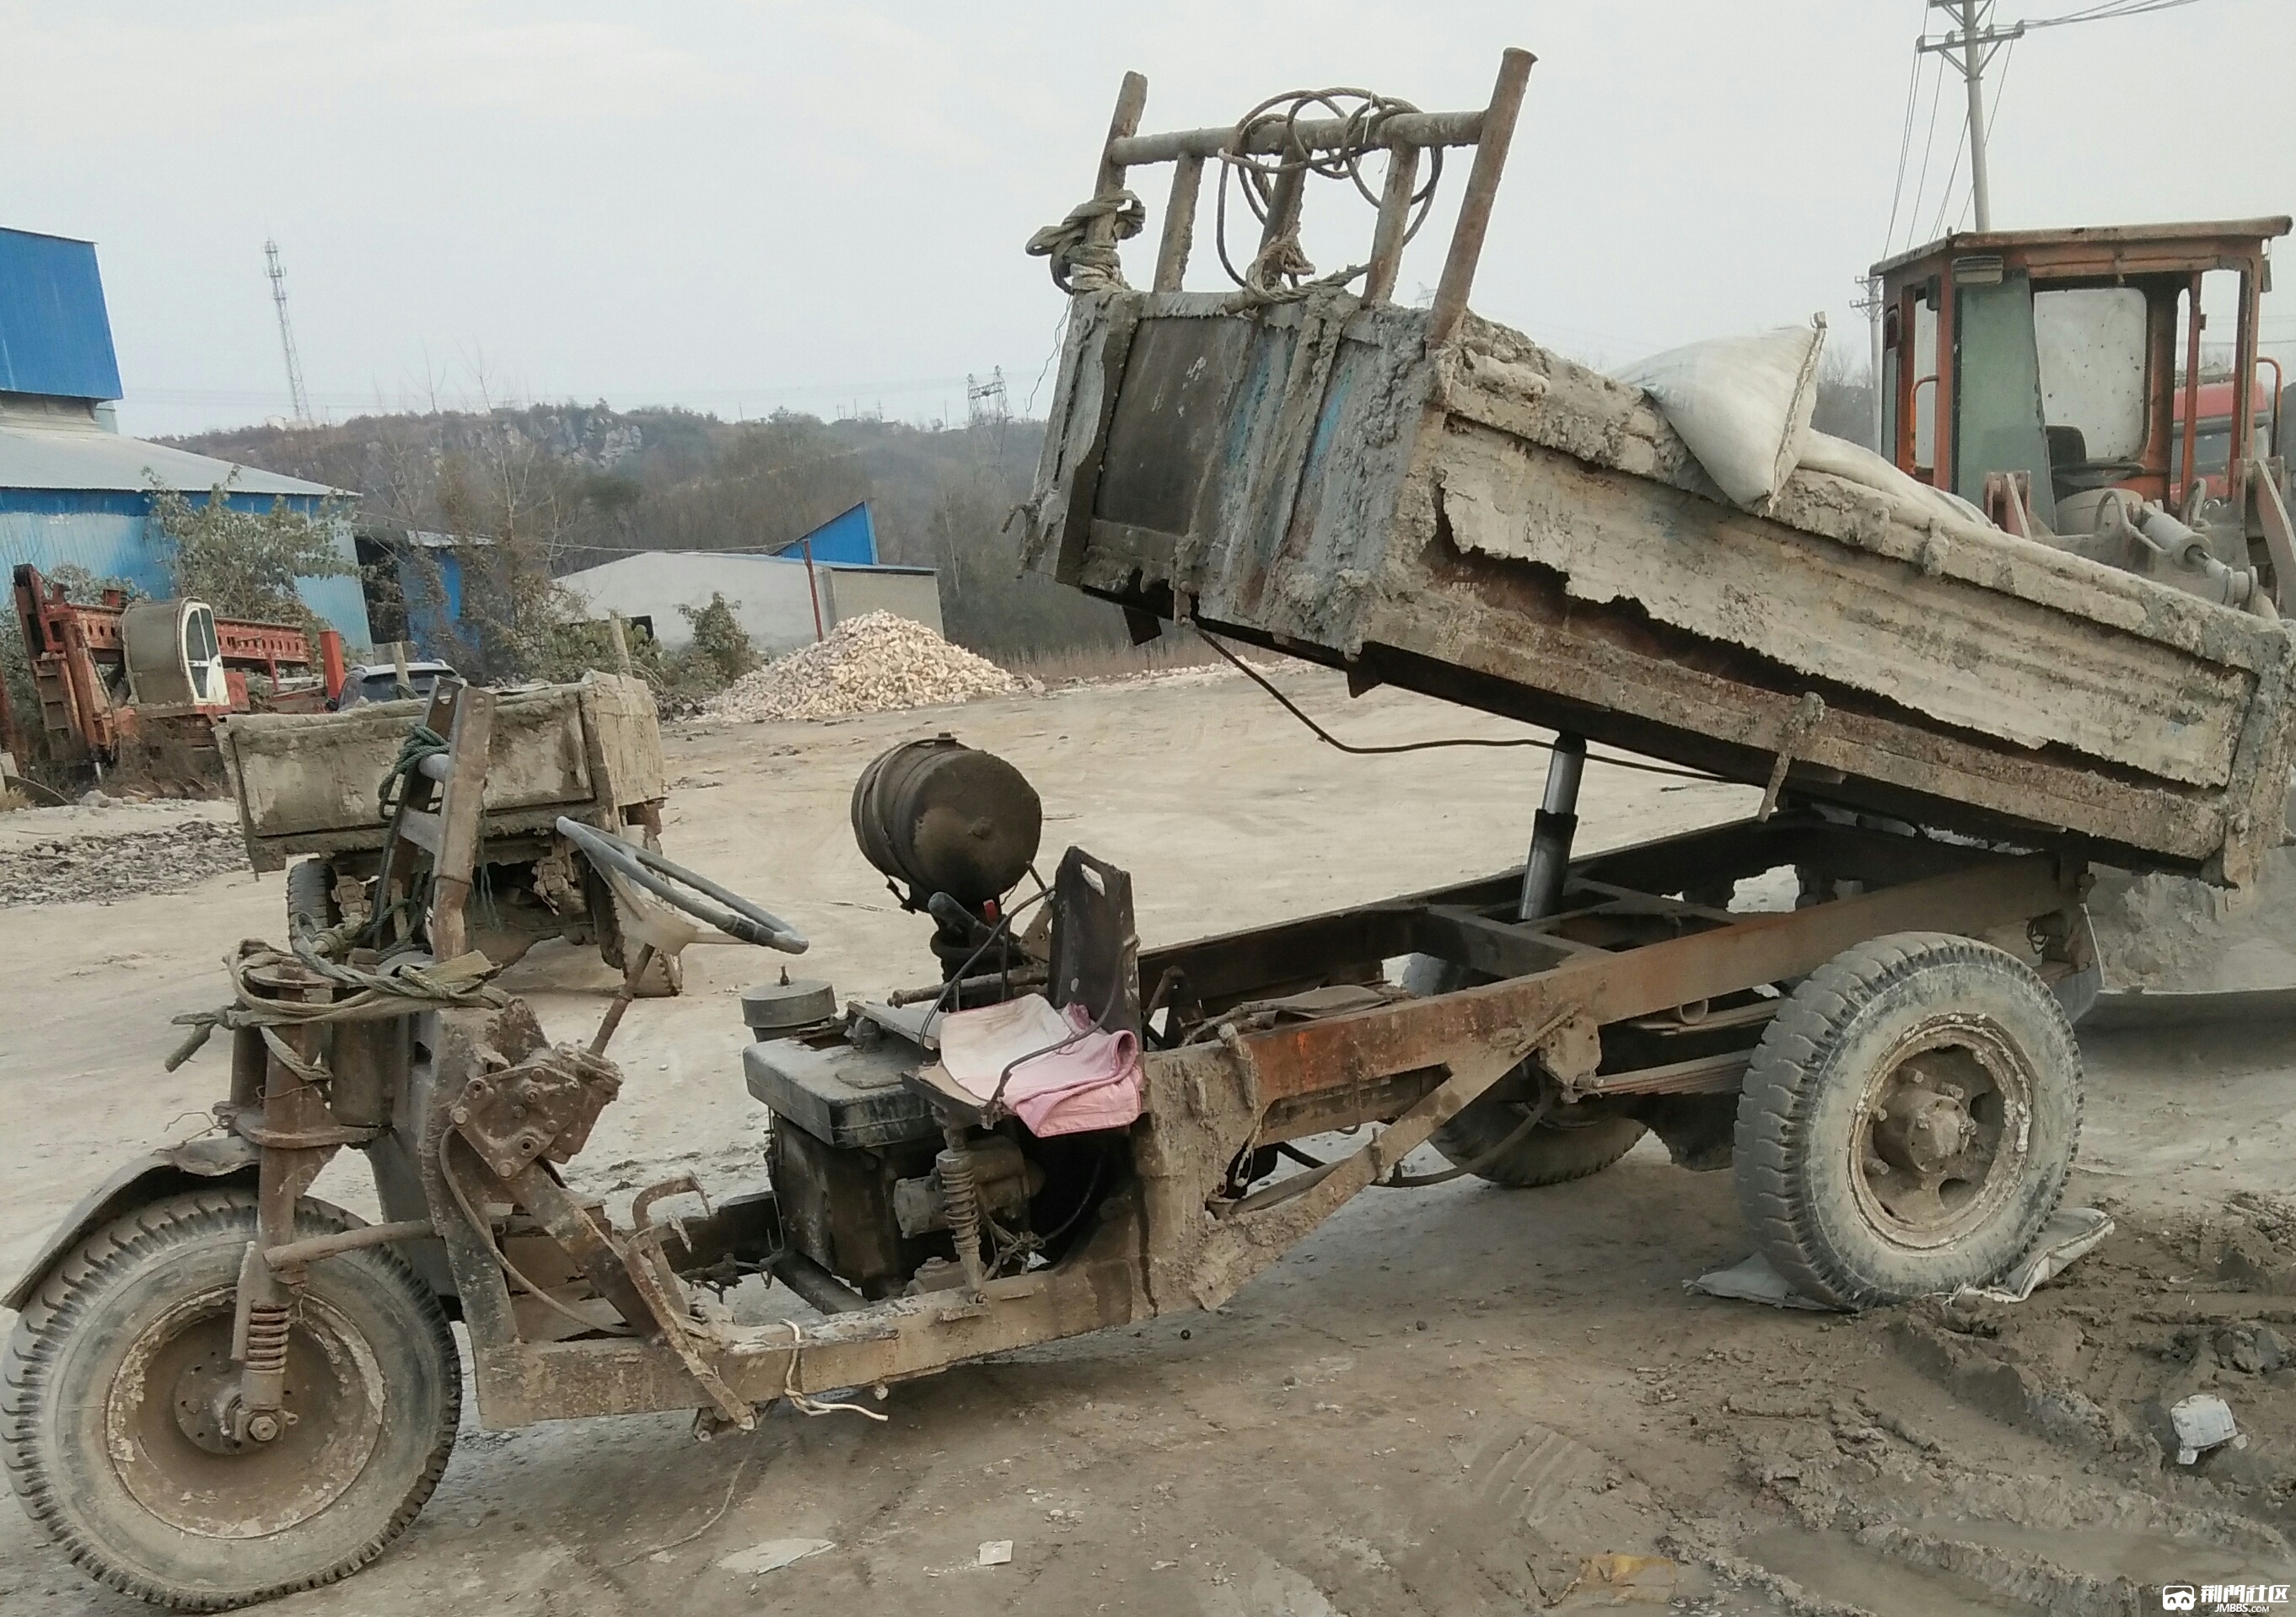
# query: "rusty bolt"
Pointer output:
{"type": "Point", "coordinates": [461, 1115]}
{"type": "Point", "coordinates": [262, 1428]}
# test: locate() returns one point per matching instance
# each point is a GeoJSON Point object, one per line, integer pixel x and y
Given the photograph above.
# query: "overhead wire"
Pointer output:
{"type": "Point", "coordinates": [1330, 740]}
{"type": "Point", "coordinates": [1928, 143]}
{"type": "Point", "coordinates": [1944, 197]}
{"type": "Point", "coordinates": [2106, 11]}
{"type": "Point", "coordinates": [1905, 148]}
{"type": "Point", "coordinates": [2000, 84]}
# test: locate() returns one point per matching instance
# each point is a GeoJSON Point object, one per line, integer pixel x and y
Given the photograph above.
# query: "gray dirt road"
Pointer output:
{"type": "Point", "coordinates": [1444, 1402]}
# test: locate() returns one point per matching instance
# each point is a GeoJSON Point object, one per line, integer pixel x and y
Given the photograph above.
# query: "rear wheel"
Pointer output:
{"type": "Point", "coordinates": [1581, 1140]}
{"type": "Point", "coordinates": [1556, 1151]}
{"type": "Point", "coordinates": [1908, 1122]}
{"type": "Point", "coordinates": [311, 896]}
{"type": "Point", "coordinates": [115, 1375]}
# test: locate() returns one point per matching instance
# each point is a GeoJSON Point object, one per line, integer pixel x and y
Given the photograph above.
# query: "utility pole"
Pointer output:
{"type": "Point", "coordinates": [1972, 72]}
{"type": "Point", "coordinates": [1870, 306]}
{"type": "Point", "coordinates": [300, 399]}
{"type": "Point", "coordinates": [1972, 50]}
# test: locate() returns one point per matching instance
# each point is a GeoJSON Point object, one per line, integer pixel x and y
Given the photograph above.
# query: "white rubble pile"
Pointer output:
{"type": "Point", "coordinates": [867, 664]}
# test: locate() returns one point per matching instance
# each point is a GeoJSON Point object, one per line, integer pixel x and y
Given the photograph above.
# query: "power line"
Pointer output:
{"type": "Point", "coordinates": [2008, 61]}
{"type": "Point", "coordinates": [1905, 146]}
{"type": "Point", "coordinates": [1976, 50]}
{"type": "Point", "coordinates": [1929, 142]}
{"type": "Point", "coordinates": [2009, 56]}
{"type": "Point", "coordinates": [2106, 13]}
{"type": "Point", "coordinates": [1944, 197]}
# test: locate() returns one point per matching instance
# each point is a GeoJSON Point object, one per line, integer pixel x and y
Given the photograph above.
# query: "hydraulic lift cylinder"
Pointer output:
{"type": "Point", "coordinates": [1552, 831]}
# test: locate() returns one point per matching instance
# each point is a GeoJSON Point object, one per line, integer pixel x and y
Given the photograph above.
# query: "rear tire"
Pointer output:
{"type": "Point", "coordinates": [1908, 1122]}
{"type": "Point", "coordinates": [1560, 1149]}
{"type": "Point", "coordinates": [107, 1392]}
{"type": "Point", "coordinates": [311, 896]}
{"type": "Point", "coordinates": [1554, 1153]}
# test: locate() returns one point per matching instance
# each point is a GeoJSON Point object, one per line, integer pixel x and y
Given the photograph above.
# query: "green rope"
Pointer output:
{"type": "Point", "coordinates": [422, 742]}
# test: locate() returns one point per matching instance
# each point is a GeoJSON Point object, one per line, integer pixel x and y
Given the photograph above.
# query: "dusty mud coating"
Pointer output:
{"type": "Point", "coordinates": [1462, 1399]}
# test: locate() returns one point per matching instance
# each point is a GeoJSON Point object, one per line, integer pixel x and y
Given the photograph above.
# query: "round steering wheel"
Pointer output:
{"type": "Point", "coordinates": [682, 890]}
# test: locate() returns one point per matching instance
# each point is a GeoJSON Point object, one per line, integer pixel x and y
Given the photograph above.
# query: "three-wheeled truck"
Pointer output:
{"type": "Point", "coordinates": [220, 1389]}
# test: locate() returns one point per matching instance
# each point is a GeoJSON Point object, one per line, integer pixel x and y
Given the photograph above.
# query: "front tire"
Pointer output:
{"type": "Point", "coordinates": [1908, 1121]}
{"type": "Point", "coordinates": [109, 1385]}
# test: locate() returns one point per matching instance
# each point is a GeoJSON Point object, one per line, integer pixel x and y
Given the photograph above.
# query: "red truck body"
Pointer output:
{"type": "Point", "coordinates": [103, 684]}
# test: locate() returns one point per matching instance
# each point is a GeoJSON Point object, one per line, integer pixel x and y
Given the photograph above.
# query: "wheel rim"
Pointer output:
{"type": "Point", "coordinates": [168, 1448]}
{"type": "Point", "coordinates": [1941, 1125]}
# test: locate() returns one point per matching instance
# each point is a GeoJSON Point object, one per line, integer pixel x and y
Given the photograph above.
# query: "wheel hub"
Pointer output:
{"type": "Point", "coordinates": [207, 1409]}
{"type": "Point", "coordinates": [185, 1447]}
{"type": "Point", "coordinates": [1923, 1131]}
{"type": "Point", "coordinates": [1934, 1148]}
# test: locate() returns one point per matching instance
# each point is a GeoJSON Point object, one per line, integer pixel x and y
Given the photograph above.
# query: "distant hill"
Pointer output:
{"type": "Point", "coordinates": [595, 483]}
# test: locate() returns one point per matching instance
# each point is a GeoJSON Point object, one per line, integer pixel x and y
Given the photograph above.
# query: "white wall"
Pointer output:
{"type": "Point", "coordinates": [768, 594]}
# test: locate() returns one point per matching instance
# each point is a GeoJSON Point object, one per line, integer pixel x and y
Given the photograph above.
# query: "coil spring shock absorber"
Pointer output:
{"type": "Point", "coordinates": [263, 1370]}
{"type": "Point", "coordinates": [960, 1199]}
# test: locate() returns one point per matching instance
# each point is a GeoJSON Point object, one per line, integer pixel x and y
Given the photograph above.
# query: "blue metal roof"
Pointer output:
{"type": "Point", "coordinates": [850, 537]}
{"type": "Point", "coordinates": [55, 336]}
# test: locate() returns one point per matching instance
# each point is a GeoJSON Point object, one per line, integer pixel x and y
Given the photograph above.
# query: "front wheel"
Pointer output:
{"type": "Point", "coordinates": [116, 1370]}
{"type": "Point", "coordinates": [1908, 1121]}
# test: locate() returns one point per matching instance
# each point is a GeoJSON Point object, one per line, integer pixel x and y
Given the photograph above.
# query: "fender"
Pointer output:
{"type": "Point", "coordinates": [167, 1171]}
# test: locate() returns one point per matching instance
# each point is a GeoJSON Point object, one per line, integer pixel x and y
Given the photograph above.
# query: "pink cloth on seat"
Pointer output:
{"type": "Point", "coordinates": [1070, 1077]}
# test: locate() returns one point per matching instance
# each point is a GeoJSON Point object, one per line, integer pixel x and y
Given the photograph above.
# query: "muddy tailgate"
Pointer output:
{"type": "Point", "coordinates": [306, 783]}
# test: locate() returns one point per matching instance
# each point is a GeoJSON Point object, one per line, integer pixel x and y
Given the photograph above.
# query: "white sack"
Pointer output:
{"type": "Point", "coordinates": [1916, 502]}
{"type": "Point", "coordinates": [1740, 404]}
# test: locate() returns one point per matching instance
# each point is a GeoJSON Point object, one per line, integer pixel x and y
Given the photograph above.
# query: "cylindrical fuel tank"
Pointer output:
{"type": "Point", "coordinates": [946, 818]}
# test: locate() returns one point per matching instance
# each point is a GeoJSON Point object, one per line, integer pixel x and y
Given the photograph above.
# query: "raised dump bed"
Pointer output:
{"type": "Point", "coordinates": [1431, 500]}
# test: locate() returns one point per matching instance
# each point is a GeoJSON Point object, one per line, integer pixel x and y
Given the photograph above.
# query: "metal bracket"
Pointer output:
{"type": "Point", "coordinates": [544, 1105]}
{"type": "Point", "coordinates": [1793, 735]}
{"type": "Point", "coordinates": [2279, 535]}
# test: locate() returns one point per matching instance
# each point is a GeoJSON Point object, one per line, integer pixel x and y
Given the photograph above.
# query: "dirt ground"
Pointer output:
{"type": "Point", "coordinates": [1447, 1401]}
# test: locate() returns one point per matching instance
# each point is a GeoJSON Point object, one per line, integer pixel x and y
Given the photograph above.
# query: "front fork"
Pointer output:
{"type": "Point", "coordinates": [277, 1103]}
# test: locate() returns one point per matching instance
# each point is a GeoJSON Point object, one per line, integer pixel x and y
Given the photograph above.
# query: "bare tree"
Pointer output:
{"type": "Point", "coordinates": [1845, 399]}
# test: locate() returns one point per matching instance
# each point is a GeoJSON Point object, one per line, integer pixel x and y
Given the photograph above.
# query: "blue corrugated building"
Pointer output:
{"type": "Point", "coordinates": [72, 490]}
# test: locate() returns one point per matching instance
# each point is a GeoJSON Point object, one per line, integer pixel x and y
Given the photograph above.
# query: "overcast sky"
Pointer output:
{"type": "Point", "coordinates": [747, 207]}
